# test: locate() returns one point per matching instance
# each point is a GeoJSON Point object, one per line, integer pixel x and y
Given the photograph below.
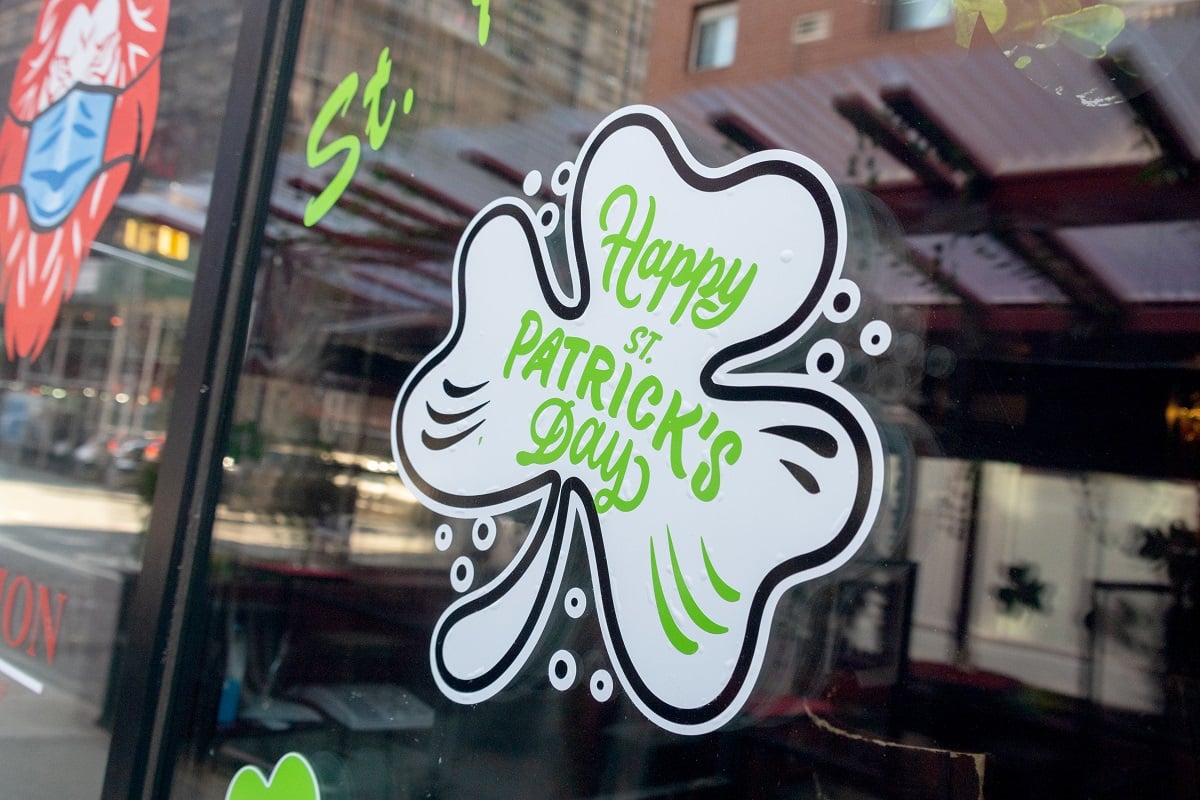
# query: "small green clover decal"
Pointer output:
{"type": "Point", "coordinates": [613, 392]}
{"type": "Point", "coordinates": [292, 779]}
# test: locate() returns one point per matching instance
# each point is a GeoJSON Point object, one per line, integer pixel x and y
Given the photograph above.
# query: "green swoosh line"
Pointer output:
{"type": "Point", "coordinates": [702, 620]}
{"type": "Point", "coordinates": [723, 589]}
{"type": "Point", "coordinates": [675, 636]}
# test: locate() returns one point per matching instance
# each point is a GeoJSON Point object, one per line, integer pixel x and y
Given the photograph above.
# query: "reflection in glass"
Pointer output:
{"type": "Point", "coordinates": [1000, 612]}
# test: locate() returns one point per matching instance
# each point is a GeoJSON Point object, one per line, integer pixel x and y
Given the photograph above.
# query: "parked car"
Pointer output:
{"type": "Point", "coordinates": [130, 457]}
{"type": "Point", "coordinates": [90, 459]}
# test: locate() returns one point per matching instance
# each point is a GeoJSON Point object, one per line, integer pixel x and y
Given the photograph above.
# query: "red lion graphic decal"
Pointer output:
{"type": "Point", "coordinates": [83, 105]}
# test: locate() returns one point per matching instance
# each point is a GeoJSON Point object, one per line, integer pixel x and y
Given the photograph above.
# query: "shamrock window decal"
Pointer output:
{"type": "Point", "coordinates": [617, 402]}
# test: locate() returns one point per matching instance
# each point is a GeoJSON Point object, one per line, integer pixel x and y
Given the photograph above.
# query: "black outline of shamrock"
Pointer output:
{"type": "Point", "coordinates": [562, 499]}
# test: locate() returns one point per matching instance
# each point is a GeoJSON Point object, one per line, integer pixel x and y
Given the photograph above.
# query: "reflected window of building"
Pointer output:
{"type": "Point", "coordinates": [919, 15]}
{"type": "Point", "coordinates": [814, 27]}
{"type": "Point", "coordinates": [714, 36]}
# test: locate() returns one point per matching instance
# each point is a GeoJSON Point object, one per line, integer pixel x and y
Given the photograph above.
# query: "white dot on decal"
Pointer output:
{"type": "Point", "coordinates": [842, 302]}
{"type": "Point", "coordinates": [601, 685]}
{"type": "Point", "coordinates": [483, 535]}
{"type": "Point", "coordinates": [462, 574]}
{"type": "Point", "coordinates": [561, 180]}
{"type": "Point", "coordinates": [826, 359]}
{"type": "Point", "coordinates": [548, 217]}
{"type": "Point", "coordinates": [575, 603]}
{"type": "Point", "coordinates": [533, 183]}
{"type": "Point", "coordinates": [876, 337]}
{"type": "Point", "coordinates": [443, 537]}
{"type": "Point", "coordinates": [562, 671]}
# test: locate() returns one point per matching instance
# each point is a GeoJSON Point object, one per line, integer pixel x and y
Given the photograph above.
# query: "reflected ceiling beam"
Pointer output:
{"type": "Point", "coordinates": [743, 133]}
{"type": "Point", "coordinates": [398, 281]}
{"type": "Point", "coordinates": [434, 270]}
{"type": "Point", "coordinates": [358, 208]}
{"type": "Point", "coordinates": [424, 189]}
{"type": "Point", "coordinates": [954, 191]}
{"type": "Point", "coordinates": [388, 249]}
{"type": "Point", "coordinates": [1068, 198]}
{"type": "Point", "coordinates": [945, 282]}
{"type": "Point", "coordinates": [443, 228]}
{"type": "Point", "coordinates": [951, 150]}
{"type": "Point", "coordinates": [369, 288]}
{"type": "Point", "coordinates": [1017, 318]}
{"type": "Point", "coordinates": [506, 172]}
{"type": "Point", "coordinates": [887, 131]}
{"type": "Point", "coordinates": [1153, 318]}
{"type": "Point", "coordinates": [1180, 318]}
{"type": "Point", "coordinates": [1152, 115]}
{"type": "Point", "coordinates": [1050, 257]}
{"type": "Point", "coordinates": [391, 321]}
{"type": "Point", "coordinates": [494, 166]}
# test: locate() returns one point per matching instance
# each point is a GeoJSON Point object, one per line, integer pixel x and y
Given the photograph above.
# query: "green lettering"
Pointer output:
{"type": "Point", "coordinates": [619, 393]}
{"type": "Point", "coordinates": [377, 130]}
{"type": "Point", "coordinates": [651, 266]}
{"type": "Point", "coordinates": [705, 286]}
{"type": "Point", "coordinates": [583, 446]}
{"type": "Point", "coordinates": [611, 498]}
{"type": "Point", "coordinates": [706, 481]}
{"type": "Point", "coordinates": [555, 434]}
{"type": "Point", "coordinates": [317, 156]}
{"type": "Point", "coordinates": [729, 294]}
{"type": "Point", "coordinates": [543, 358]}
{"type": "Point", "coordinates": [485, 19]}
{"type": "Point", "coordinates": [574, 346]}
{"type": "Point", "coordinates": [672, 425]}
{"type": "Point", "coordinates": [651, 388]}
{"type": "Point", "coordinates": [527, 339]}
{"type": "Point", "coordinates": [686, 274]}
{"type": "Point", "coordinates": [611, 470]}
{"type": "Point", "coordinates": [622, 241]}
{"type": "Point", "coordinates": [599, 368]}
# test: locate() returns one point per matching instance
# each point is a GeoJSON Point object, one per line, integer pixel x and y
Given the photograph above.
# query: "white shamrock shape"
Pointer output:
{"type": "Point", "coordinates": [621, 407]}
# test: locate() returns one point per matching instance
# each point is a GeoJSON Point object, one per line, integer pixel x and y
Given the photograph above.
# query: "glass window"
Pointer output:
{"type": "Point", "coordinates": [107, 150]}
{"type": "Point", "coordinates": [824, 427]}
{"type": "Point", "coordinates": [714, 36]}
{"type": "Point", "coordinates": [919, 15]}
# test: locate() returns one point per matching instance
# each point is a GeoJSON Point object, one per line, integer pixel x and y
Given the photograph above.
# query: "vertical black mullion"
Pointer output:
{"type": "Point", "coordinates": [170, 598]}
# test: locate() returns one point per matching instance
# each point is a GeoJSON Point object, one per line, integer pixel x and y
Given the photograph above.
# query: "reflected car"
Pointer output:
{"type": "Point", "coordinates": [129, 457]}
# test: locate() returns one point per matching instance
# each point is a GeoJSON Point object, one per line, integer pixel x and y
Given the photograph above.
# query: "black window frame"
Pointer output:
{"type": "Point", "coordinates": [165, 618]}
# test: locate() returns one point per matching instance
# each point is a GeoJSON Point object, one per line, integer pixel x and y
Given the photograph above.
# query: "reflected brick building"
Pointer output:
{"type": "Point", "coordinates": [778, 38]}
{"type": "Point", "coordinates": [538, 54]}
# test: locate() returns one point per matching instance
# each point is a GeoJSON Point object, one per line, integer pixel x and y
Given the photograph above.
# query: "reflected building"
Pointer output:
{"type": "Point", "coordinates": [539, 54]}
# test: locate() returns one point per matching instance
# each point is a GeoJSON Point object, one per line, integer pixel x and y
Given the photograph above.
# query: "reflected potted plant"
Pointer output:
{"type": "Point", "coordinates": [1176, 549]}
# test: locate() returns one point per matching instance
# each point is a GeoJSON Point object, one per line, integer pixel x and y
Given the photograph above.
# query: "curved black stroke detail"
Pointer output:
{"type": "Point", "coordinates": [442, 418]}
{"type": "Point", "coordinates": [802, 476]}
{"type": "Point", "coordinates": [820, 442]}
{"type": "Point", "coordinates": [461, 391]}
{"type": "Point", "coordinates": [441, 443]}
